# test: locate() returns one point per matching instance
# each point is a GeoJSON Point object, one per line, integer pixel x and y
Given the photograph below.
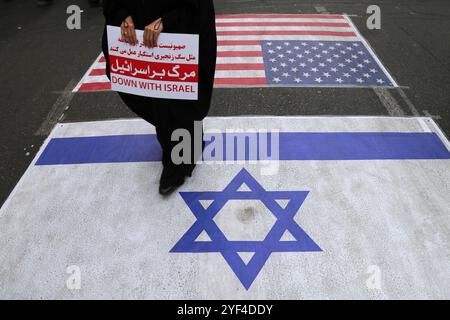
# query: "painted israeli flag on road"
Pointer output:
{"type": "Point", "coordinates": [323, 207]}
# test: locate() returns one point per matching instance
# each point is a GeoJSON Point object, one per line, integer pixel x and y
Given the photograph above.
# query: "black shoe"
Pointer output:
{"type": "Point", "coordinates": [168, 184]}
{"type": "Point", "coordinates": [169, 189]}
{"type": "Point", "coordinates": [191, 167]}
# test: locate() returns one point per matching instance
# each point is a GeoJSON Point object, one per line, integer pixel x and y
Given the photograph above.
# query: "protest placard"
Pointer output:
{"type": "Point", "coordinates": [169, 70]}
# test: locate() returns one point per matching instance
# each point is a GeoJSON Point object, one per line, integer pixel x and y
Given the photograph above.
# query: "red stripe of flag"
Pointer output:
{"type": "Point", "coordinates": [240, 66]}
{"type": "Point", "coordinates": [240, 81]}
{"type": "Point", "coordinates": [97, 72]}
{"type": "Point", "coordinates": [238, 43]}
{"type": "Point", "coordinates": [95, 86]}
{"type": "Point", "coordinates": [286, 32]}
{"type": "Point", "coordinates": [280, 16]}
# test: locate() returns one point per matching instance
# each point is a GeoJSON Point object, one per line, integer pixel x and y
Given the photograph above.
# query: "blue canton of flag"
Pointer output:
{"type": "Point", "coordinates": [322, 63]}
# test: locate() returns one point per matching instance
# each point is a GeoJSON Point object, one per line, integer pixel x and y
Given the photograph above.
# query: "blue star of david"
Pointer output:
{"type": "Point", "coordinates": [246, 273]}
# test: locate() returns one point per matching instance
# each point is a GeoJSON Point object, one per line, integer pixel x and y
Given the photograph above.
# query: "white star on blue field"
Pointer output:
{"type": "Point", "coordinates": [322, 63]}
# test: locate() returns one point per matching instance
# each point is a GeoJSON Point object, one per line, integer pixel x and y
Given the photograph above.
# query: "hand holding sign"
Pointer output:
{"type": "Point", "coordinates": [151, 33]}
{"type": "Point", "coordinates": [128, 32]}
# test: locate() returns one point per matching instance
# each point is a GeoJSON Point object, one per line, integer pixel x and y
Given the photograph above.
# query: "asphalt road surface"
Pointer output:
{"type": "Point", "coordinates": [42, 61]}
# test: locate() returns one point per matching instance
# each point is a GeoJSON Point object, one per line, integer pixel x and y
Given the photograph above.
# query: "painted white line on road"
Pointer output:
{"type": "Point", "coordinates": [428, 114]}
{"type": "Point", "coordinates": [57, 110]}
{"type": "Point", "coordinates": [408, 102]}
{"type": "Point", "coordinates": [389, 102]}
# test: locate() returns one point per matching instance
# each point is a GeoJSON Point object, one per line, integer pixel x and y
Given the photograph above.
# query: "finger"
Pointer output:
{"type": "Point", "coordinates": [147, 37]}
{"type": "Point", "coordinates": [155, 38]}
{"type": "Point", "coordinates": [122, 31]}
{"type": "Point", "coordinates": [130, 32]}
{"type": "Point", "coordinates": [152, 34]}
{"type": "Point", "coordinates": [144, 37]}
{"type": "Point", "coordinates": [126, 34]}
{"type": "Point", "coordinates": [129, 20]}
{"type": "Point", "coordinates": [157, 24]}
{"type": "Point", "coordinates": [133, 36]}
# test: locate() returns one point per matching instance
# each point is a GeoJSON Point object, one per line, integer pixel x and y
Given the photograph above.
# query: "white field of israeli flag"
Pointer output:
{"type": "Point", "coordinates": [356, 208]}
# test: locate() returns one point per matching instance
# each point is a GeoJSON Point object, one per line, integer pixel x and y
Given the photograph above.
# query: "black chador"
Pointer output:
{"type": "Point", "coordinates": [167, 115]}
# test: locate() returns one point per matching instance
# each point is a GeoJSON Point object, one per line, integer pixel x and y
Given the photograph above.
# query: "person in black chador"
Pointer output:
{"type": "Point", "coordinates": [167, 115]}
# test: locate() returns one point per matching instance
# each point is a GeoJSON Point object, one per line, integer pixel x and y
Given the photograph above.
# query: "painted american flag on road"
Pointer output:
{"type": "Point", "coordinates": [261, 50]}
